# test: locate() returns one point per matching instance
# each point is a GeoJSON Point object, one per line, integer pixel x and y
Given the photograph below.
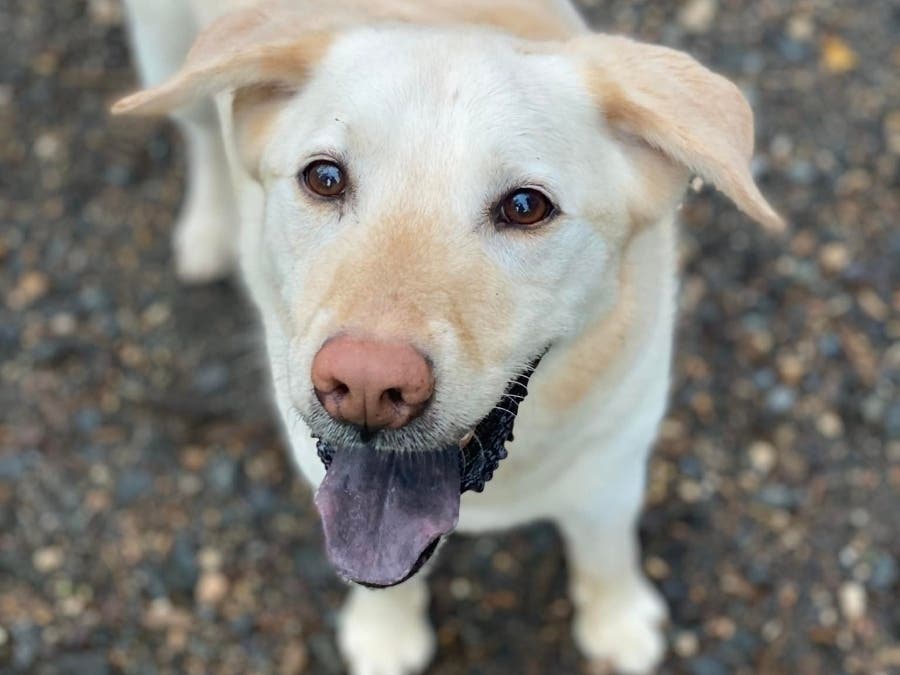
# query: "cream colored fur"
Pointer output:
{"type": "Point", "coordinates": [436, 109]}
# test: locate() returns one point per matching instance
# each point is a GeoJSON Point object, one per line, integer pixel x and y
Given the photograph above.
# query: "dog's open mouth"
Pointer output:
{"type": "Point", "coordinates": [384, 513]}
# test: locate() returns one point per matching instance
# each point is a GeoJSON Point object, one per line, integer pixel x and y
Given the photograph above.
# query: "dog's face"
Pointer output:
{"type": "Point", "coordinates": [439, 191]}
{"type": "Point", "coordinates": [441, 208]}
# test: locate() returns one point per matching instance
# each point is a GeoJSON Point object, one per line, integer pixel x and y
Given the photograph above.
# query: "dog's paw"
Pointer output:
{"type": "Point", "coordinates": [623, 630]}
{"type": "Point", "coordinates": [385, 635]}
{"type": "Point", "coordinates": [202, 252]}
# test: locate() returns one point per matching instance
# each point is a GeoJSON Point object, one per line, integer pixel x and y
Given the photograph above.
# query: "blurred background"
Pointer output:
{"type": "Point", "coordinates": [149, 519]}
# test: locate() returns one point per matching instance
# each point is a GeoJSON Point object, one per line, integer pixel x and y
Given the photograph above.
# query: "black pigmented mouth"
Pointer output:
{"type": "Point", "coordinates": [481, 457]}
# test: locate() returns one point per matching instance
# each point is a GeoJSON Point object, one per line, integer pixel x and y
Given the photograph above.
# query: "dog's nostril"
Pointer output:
{"type": "Point", "coordinates": [371, 384]}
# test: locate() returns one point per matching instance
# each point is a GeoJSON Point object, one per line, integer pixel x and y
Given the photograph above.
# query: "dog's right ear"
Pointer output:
{"type": "Point", "coordinates": [687, 114]}
{"type": "Point", "coordinates": [251, 48]}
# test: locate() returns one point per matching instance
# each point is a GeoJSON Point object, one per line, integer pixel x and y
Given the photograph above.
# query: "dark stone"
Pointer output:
{"type": "Point", "coordinates": [87, 419]}
{"type": "Point", "coordinates": [691, 467]}
{"type": "Point", "coordinates": [324, 651]}
{"type": "Point", "coordinates": [780, 399]}
{"type": "Point", "coordinates": [12, 467]}
{"type": "Point", "coordinates": [892, 421]}
{"type": "Point", "coordinates": [210, 378]}
{"type": "Point", "coordinates": [133, 484]}
{"type": "Point", "coordinates": [222, 473]}
{"type": "Point", "coordinates": [707, 665]}
{"type": "Point", "coordinates": [89, 663]}
{"type": "Point", "coordinates": [181, 570]}
{"type": "Point", "coordinates": [884, 572]}
{"type": "Point", "coordinates": [779, 496]}
{"type": "Point", "coordinates": [243, 626]}
{"type": "Point", "coordinates": [764, 379]}
{"type": "Point", "coordinates": [26, 645]}
{"type": "Point", "coordinates": [262, 500]}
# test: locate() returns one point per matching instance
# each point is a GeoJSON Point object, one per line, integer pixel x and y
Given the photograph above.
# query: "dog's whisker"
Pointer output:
{"type": "Point", "coordinates": [501, 409]}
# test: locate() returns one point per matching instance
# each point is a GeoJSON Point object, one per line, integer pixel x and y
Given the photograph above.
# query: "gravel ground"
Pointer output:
{"type": "Point", "coordinates": [149, 520]}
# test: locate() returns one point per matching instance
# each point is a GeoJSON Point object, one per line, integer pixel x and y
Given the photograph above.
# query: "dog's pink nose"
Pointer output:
{"type": "Point", "coordinates": [372, 384]}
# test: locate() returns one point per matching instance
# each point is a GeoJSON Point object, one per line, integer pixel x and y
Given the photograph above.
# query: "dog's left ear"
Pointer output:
{"type": "Point", "coordinates": [692, 116]}
{"type": "Point", "coordinates": [262, 55]}
{"type": "Point", "coordinates": [243, 49]}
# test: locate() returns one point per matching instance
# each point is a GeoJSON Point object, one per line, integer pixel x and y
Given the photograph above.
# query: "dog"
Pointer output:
{"type": "Point", "coordinates": [439, 207]}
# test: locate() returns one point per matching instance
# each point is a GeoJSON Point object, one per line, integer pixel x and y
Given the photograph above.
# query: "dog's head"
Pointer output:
{"type": "Point", "coordinates": [440, 207]}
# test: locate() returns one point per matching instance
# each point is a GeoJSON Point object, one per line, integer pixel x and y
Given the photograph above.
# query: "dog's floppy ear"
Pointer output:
{"type": "Point", "coordinates": [694, 117]}
{"type": "Point", "coordinates": [246, 48]}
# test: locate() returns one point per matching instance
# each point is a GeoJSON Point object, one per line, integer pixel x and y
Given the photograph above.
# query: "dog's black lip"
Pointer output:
{"type": "Point", "coordinates": [479, 460]}
{"type": "Point", "coordinates": [481, 457]}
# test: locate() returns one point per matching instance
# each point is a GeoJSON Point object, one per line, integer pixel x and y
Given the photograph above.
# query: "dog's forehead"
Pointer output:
{"type": "Point", "coordinates": [463, 58]}
{"type": "Point", "coordinates": [454, 82]}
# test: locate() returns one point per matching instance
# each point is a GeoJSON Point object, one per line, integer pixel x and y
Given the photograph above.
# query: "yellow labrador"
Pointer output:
{"type": "Point", "coordinates": [432, 203]}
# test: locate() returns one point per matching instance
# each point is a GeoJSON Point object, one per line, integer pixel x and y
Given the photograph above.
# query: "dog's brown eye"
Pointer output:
{"type": "Point", "coordinates": [325, 178]}
{"type": "Point", "coordinates": [524, 207]}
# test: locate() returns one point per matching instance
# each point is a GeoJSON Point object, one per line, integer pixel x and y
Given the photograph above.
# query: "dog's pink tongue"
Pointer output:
{"type": "Point", "coordinates": [383, 511]}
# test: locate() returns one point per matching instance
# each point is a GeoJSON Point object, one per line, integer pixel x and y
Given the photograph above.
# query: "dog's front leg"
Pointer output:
{"type": "Point", "coordinates": [207, 228]}
{"type": "Point", "coordinates": [387, 632]}
{"type": "Point", "coordinates": [619, 615]}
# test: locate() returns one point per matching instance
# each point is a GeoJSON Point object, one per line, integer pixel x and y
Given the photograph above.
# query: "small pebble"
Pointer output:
{"type": "Point", "coordinates": [838, 56]}
{"type": "Point", "coordinates": [210, 560]}
{"type": "Point", "coordinates": [830, 425]}
{"type": "Point", "coordinates": [31, 287]}
{"type": "Point", "coordinates": [47, 147]}
{"type": "Point", "coordinates": [834, 257]}
{"type": "Point", "coordinates": [460, 588]}
{"type": "Point", "coordinates": [763, 456]}
{"type": "Point", "coordinates": [801, 27]}
{"type": "Point", "coordinates": [657, 568]}
{"type": "Point", "coordinates": [852, 599]}
{"type": "Point", "coordinates": [697, 16]}
{"type": "Point", "coordinates": [294, 659]}
{"type": "Point", "coordinates": [859, 517]}
{"type": "Point", "coordinates": [686, 644]}
{"type": "Point", "coordinates": [790, 369]}
{"type": "Point", "coordinates": [828, 616]}
{"type": "Point", "coordinates": [49, 559]}
{"type": "Point", "coordinates": [721, 627]}
{"type": "Point", "coordinates": [690, 491]}
{"type": "Point", "coordinates": [772, 630]}
{"type": "Point", "coordinates": [872, 304]}
{"type": "Point", "coordinates": [105, 12]}
{"type": "Point", "coordinates": [212, 588]}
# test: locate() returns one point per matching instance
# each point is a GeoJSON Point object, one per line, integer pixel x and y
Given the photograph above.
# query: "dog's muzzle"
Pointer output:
{"type": "Point", "coordinates": [384, 513]}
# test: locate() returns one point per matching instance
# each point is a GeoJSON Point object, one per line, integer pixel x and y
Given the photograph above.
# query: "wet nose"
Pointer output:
{"type": "Point", "coordinates": [372, 384]}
